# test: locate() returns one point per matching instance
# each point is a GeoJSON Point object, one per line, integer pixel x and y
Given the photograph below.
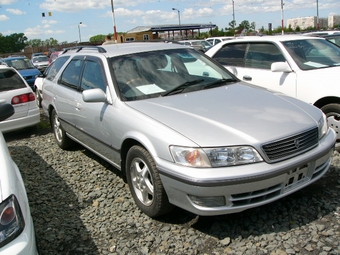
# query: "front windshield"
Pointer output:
{"type": "Point", "coordinates": [20, 63]}
{"type": "Point", "coordinates": [313, 53]}
{"type": "Point", "coordinates": [164, 73]}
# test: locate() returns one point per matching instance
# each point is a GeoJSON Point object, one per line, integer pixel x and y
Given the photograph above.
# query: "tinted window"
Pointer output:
{"type": "Point", "coordinates": [231, 54]}
{"type": "Point", "coordinates": [93, 76]}
{"type": "Point", "coordinates": [10, 80]}
{"type": "Point", "coordinates": [54, 68]}
{"type": "Point", "coordinates": [71, 75]}
{"type": "Point", "coordinates": [262, 55]}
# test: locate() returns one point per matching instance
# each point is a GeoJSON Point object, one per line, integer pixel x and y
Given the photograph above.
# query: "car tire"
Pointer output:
{"type": "Point", "coordinates": [61, 138]}
{"type": "Point", "coordinates": [332, 112]}
{"type": "Point", "coordinates": [38, 98]}
{"type": "Point", "coordinates": [145, 184]}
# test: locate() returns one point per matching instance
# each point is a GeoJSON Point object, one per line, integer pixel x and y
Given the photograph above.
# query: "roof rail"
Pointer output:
{"type": "Point", "coordinates": [79, 48]}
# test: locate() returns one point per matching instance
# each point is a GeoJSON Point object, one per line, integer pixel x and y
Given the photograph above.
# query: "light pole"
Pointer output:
{"type": "Point", "coordinates": [79, 31]}
{"type": "Point", "coordinates": [114, 21]}
{"type": "Point", "coordinates": [282, 19]}
{"type": "Point", "coordinates": [179, 20]}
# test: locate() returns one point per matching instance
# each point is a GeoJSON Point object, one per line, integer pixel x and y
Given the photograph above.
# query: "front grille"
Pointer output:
{"type": "Point", "coordinates": [291, 146]}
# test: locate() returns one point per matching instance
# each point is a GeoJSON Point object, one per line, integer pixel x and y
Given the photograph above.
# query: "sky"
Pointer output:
{"type": "Point", "coordinates": [79, 20]}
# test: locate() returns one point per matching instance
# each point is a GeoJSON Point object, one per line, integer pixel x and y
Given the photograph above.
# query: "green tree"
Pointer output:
{"type": "Point", "coordinates": [12, 43]}
{"type": "Point", "coordinates": [244, 24]}
{"type": "Point", "coordinates": [98, 38]}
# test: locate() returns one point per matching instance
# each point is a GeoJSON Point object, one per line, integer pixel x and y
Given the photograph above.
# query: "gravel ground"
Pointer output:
{"type": "Point", "coordinates": [81, 205]}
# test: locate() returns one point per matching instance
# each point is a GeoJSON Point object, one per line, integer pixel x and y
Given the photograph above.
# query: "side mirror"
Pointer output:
{"type": "Point", "coordinates": [281, 67]}
{"type": "Point", "coordinates": [94, 96]}
{"type": "Point", "coordinates": [6, 111]}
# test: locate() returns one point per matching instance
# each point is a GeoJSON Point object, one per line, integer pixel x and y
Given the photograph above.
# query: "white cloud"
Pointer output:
{"type": "Point", "coordinates": [15, 11]}
{"type": "Point", "coordinates": [3, 18]}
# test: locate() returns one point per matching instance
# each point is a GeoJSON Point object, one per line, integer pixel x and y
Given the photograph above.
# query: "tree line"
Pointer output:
{"type": "Point", "coordinates": [18, 41]}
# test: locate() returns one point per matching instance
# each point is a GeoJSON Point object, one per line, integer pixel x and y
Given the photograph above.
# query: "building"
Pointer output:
{"type": "Point", "coordinates": [307, 22]}
{"type": "Point", "coordinates": [333, 21]}
{"type": "Point", "coordinates": [165, 32]}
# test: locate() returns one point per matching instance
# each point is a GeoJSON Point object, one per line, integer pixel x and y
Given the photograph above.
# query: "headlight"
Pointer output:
{"type": "Point", "coordinates": [323, 126]}
{"type": "Point", "coordinates": [215, 157]}
{"type": "Point", "coordinates": [11, 220]}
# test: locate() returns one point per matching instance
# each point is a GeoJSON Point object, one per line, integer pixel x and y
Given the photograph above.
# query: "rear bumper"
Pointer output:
{"type": "Point", "coordinates": [32, 119]}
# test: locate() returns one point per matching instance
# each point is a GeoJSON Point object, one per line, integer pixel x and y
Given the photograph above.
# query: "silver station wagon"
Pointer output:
{"type": "Point", "coordinates": [183, 130]}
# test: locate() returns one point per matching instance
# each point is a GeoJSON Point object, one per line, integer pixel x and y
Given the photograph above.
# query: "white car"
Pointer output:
{"type": "Point", "coordinates": [300, 66]}
{"type": "Point", "coordinates": [51, 71]}
{"type": "Point", "coordinates": [215, 40]}
{"type": "Point", "coordinates": [15, 90]}
{"type": "Point", "coordinates": [17, 235]}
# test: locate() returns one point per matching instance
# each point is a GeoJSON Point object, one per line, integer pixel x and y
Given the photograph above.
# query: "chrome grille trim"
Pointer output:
{"type": "Point", "coordinates": [291, 146]}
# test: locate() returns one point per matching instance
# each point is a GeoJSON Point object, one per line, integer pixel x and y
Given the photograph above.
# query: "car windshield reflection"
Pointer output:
{"type": "Point", "coordinates": [313, 54]}
{"type": "Point", "coordinates": [147, 75]}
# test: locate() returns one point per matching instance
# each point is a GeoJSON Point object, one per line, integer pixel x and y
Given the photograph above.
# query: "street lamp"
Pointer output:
{"type": "Point", "coordinates": [79, 31]}
{"type": "Point", "coordinates": [179, 20]}
{"type": "Point", "coordinates": [114, 21]}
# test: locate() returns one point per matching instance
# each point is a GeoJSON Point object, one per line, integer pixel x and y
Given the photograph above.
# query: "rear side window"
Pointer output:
{"type": "Point", "coordinates": [71, 75]}
{"type": "Point", "coordinates": [231, 54]}
{"type": "Point", "coordinates": [54, 68]}
{"type": "Point", "coordinates": [10, 80]}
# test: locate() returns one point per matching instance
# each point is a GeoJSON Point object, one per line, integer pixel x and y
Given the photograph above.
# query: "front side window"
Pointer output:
{"type": "Point", "coordinates": [93, 76]}
{"type": "Point", "coordinates": [231, 54]}
{"type": "Point", "coordinates": [262, 55]}
{"type": "Point", "coordinates": [71, 75]}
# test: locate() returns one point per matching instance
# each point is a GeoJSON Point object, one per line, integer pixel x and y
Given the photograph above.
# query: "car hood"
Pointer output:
{"type": "Point", "coordinates": [40, 63]}
{"type": "Point", "coordinates": [234, 114]}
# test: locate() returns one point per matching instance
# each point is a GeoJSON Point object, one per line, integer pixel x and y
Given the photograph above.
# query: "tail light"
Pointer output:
{"type": "Point", "coordinates": [11, 220]}
{"type": "Point", "coordinates": [24, 98]}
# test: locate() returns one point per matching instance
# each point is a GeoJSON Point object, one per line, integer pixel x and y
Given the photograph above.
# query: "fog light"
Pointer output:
{"type": "Point", "coordinates": [208, 201]}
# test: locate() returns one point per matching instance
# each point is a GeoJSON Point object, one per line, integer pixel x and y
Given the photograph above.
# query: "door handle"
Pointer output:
{"type": "Point", "coordinates": [78, 106]}
{"type": "Point", "coordinates": [247, 78]}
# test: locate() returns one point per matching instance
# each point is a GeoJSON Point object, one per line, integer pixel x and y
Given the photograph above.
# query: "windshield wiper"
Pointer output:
{"type": "Point", "coordinates": [181, 87]}
{"type": "Point", "coordinates": [218, 83]}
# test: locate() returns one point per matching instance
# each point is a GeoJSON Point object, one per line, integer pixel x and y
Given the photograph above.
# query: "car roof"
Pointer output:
{"type": "Point", "coordinates": [10, 58]}
{"type": "Point", "coordinates": [273, 38]}
{"type": "Point", "coordinates": [118, 49]}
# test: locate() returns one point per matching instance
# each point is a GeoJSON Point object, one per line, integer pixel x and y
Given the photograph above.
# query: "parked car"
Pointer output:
{"type": "Point", "coordinates": [215, 40]}
{"type": "Point", "coordinates": [40, 62]}
{"type": "Point", "coordinates": [38, 54]}
{"type": "Point", "coordinates": [15, 91]}
{"type": "Point", "coordinates": [25, 67]}
{"type": "Point", "coordinates": [183, 130]}
{"type": "Point", "coordinates": [303, 67]}
{"type": "Point", "coordinates": [53, 56]}
{"type": "Point", "coordinates": [17, 235]}
{"type": "Point", "coordinates": [51, 71]}
{"type": "Point", "coordinates": [334, 38]}
{"type": "Point", "coordinates": [200, 45]}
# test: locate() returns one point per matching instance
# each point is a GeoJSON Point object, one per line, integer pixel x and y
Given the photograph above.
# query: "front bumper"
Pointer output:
{"type": "Point", "coordinates": [217, 191]}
